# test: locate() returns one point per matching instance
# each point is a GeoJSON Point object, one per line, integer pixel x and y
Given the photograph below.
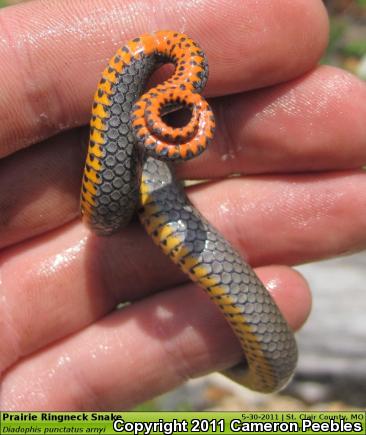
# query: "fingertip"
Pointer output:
{"type": "Point", "coordinates": [291, 292]}
{"type": "Point", "coordinates": [315, 19]}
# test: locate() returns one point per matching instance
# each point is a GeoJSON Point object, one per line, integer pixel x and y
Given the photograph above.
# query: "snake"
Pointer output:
{"type": "Point", "coordinates": [129, 169]}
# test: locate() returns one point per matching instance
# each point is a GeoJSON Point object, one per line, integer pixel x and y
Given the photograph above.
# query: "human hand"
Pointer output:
{"type": "Point", "coordinates": [300, 137]}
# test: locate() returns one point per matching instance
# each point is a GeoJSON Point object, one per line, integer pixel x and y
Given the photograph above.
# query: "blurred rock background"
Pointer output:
{"type": "Point", "coordinates": [332, 368]}
{"type": "Point", "coordinates": [347, 39]}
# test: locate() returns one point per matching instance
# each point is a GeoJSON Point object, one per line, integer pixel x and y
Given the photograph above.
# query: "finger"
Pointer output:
{"type": "Point", "coordinates": [315, 122]}
{"type": "Point", "coordinates": [73, 278]}
{"type": "Point", "coordinates": [45, 295]}
{"type": "Point", "coordinates": [41, 188]}
{"type": "Point", "coordinates": [50, 65]}
{"type": "Point", "coordinates": [146, 349]}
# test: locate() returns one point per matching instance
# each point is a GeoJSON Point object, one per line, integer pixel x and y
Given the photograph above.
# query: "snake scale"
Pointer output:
{"type": "Point", "coordinates": [129, 166]}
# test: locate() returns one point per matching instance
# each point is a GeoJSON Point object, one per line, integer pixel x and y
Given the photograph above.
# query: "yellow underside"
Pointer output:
{"type": "Point", "coordinates": [161, 231]}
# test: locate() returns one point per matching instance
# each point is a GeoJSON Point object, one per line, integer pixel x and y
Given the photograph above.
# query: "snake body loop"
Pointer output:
{"type": "Point", "coordinates": [128, 163]}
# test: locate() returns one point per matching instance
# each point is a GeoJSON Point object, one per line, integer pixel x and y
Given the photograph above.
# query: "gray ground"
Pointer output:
{"type": "Point", "coordinates": [333, 342]}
